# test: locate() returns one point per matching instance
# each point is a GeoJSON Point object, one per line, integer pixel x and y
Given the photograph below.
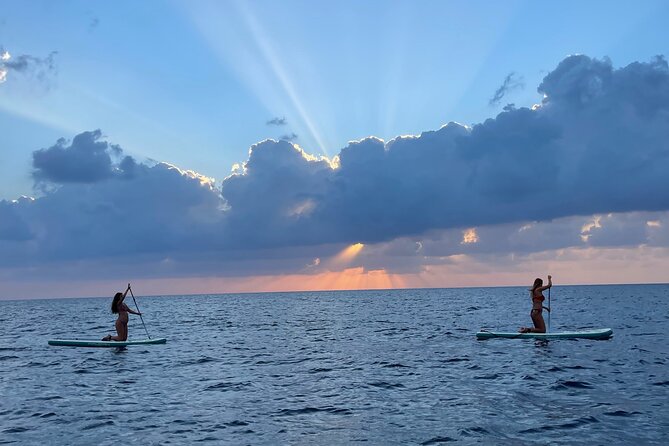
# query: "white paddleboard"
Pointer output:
{"type": "Point", "coordinates": [91, 343]}
{"type": "Point", "coordinates": [600, 333]}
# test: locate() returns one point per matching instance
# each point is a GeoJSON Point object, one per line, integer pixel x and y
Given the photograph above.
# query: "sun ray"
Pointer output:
{"type": "Point", "coordinates": [280, 72]}
{"type": "Point", "coordinates": [241, 44]}
{"type": "Point", "coordinates": [346, 255]}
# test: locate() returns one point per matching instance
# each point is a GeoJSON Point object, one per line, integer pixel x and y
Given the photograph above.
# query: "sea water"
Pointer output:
{"type": "Point", "coordinates": [329, 368]}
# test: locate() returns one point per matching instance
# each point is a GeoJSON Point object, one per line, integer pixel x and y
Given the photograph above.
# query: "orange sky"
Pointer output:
{"type": "Point", "coordinates": [569, 266]}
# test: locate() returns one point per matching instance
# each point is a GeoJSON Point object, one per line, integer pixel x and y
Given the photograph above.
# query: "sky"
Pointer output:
{"type": "Point", "coordinates": [247, 146]}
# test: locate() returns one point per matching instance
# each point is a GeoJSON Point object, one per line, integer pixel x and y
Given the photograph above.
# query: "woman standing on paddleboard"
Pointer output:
{"type": "Point", "coordinates": [537, 307]}
{"type": "Point", "coordinates": [118, 307]}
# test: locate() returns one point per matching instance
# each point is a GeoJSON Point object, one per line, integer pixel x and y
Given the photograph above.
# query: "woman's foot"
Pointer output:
{"type": "Point", "coordinates": [525, 330]}
{"type": "Point", "coordinates": [107, 338]}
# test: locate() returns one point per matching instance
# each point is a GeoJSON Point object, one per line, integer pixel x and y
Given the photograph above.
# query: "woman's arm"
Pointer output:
{"type": "Point", "coordinates": [125, 294]}
{"type": "Point", "coordinates": [550, 284]}
{"type": "Point", "coordinates": [129, 310]}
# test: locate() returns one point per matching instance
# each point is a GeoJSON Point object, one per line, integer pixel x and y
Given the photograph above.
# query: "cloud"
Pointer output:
{"type": "Point", "coordinates": [289, 137]}
{"type": "Point", "coordinates": [598, 143]}
{"type": "Point", "coordinates": [279, 187]}
{"type": "Point", "coordinates": [99, 203]}
{"type": "Point", "coordinates": [40, 69]}
{"type": "Point", "coordinates": [93, 24]}
{"type": "Point", "coordinates": [86, 160]}
{"type": "Point", "coordinates": [511, 82]}
{"type": "Point", "coordinates": [527, 180]}
{"type": "Point", "coordinates": [158, 210]}
{"type": "Point", "coordinates": [277, 121]}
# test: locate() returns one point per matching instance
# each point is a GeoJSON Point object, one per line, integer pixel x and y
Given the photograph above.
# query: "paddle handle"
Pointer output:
{"type": "Point", "coordinates": [140, 313]}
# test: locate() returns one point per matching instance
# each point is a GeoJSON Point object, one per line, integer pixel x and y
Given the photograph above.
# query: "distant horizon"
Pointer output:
{"type": "Point", "coordinates": [138, 295]}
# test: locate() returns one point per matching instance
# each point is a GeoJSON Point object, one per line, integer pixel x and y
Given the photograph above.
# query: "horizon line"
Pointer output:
{"type": "Point", "coordinates": [333, 291]}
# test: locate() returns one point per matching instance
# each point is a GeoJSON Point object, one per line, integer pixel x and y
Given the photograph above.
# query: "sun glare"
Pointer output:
{"type": "Point", "coordinates": [469, 236]}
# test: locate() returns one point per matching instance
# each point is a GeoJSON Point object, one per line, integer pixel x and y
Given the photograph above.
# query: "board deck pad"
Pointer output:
{"type": "Point", "coordinates": [600, 333]}
{"type": "Point", "coordinates": [94, 343]}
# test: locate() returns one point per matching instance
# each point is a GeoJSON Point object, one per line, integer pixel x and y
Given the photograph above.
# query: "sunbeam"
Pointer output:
{"type": "Point", "coordinates": [279, 71]}
{"type": "Point", "coordinates": [240, 43]}
{"type": "Point", "coordinates": [347, 254]}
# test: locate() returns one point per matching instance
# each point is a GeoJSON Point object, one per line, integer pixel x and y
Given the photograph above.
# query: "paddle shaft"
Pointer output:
{"type": "Point", "coordinates": [147, 331]}
{"type": "Point", "coordinates": [549, 310]}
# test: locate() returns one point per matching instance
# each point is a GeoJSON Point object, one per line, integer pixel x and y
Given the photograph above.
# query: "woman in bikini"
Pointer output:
{"type": "Point", "coordinates": [118, 307]}
{"type": "Point", "coordinates": [537, 307]}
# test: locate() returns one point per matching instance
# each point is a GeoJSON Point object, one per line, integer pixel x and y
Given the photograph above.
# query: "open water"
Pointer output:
{"type": "Point", "coordinates": [379, 367]}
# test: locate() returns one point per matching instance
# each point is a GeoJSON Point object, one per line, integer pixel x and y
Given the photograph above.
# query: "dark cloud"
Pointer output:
{"type": "Point", "coordinates": [94, 22]}
{"type": "Point", "coordinates": [86, 160]}
{"type": "Point", "coordinates": [598, 144]}
{"type": "Point", "coordinates": [511, 82]}
{"type": "Point", "coordinates": [42, 70]}
{"type": "Point", "coordinates": [289, 137]}
{"type": "Point", "coordinates": [156, 210]}
{"type": "Point", "coordinates": [277, 121]}
{"type": "Point", "coordinates": [284, 184]}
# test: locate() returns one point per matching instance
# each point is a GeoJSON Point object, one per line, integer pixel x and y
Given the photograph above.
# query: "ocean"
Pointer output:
{"type": "Point", "coordinates": [339, 368]}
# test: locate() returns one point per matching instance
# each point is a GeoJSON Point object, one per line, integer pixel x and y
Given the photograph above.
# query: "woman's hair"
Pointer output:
{"type": "Point", "coordinates": [117, 299]}
{"type": "Point", "coordinates": [537, 283]}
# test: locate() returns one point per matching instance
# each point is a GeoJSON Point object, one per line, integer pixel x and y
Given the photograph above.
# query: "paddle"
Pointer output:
{"type": "Point", "coordinates": [549, 310]}
{"type": "Point", "coordinates": [140, 313]}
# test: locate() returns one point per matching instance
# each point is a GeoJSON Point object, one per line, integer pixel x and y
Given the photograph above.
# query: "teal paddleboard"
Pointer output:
{"type": "Point", "coordinates": [600, 333]}
{"type": "Point", "coordinates": [85, 343]}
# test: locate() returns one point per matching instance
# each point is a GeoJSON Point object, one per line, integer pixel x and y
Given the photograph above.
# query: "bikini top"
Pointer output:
{"type": "Point", "coordinates": [540, 297]}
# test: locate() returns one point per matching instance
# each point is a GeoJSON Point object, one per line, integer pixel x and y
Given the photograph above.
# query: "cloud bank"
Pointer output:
{"type": "Point", "coordinates": [598, 143]}
{"type": "Point", "coordinates": [98, 203]}
{"type": "Point", "coordinates": [527, 180]}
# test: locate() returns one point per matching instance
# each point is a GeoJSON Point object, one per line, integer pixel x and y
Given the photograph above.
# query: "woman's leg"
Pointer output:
{"type": "Point", "coordinates": [125, 331]}
{"type": "Point", "coordinates": [121, 330]}
{"type": "Point", "coordinates": [539, 324]}
{"type": "Point", "coordinates": [538, 321]}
